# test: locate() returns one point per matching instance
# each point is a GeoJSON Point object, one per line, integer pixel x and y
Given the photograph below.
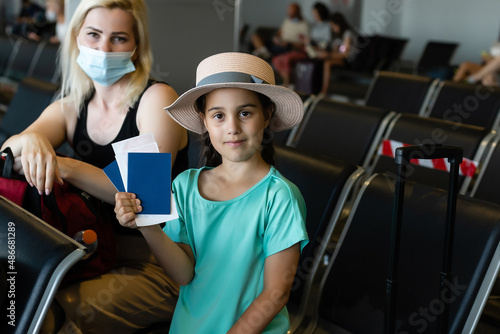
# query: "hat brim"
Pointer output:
{"type": "Point", "coordinates": [289, 109]}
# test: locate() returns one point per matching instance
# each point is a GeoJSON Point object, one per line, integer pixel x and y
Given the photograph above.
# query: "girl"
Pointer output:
{"type": "Point", "coordinates": [236, 244]}
{"type": "Point", "coordinates": [107, 97]}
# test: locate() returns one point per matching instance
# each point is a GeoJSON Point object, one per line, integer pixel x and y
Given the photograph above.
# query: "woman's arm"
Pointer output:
{"type": "Point", "coordinates": [87, 177]}
{"type": "Point", "coordinates": [151, 118]}
{"type": "Point", "coordinates": [279, 273]}
{"type": "Point", "coordinates": [37, 160]}
{"type": "Point", "coordinates": [33, 148]}
{"type": "Point", "coordinates": [176, 259]}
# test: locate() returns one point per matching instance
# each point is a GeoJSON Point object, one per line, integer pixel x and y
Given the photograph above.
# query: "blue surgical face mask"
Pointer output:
{"type": "Point", "coordinates": [105, 68]}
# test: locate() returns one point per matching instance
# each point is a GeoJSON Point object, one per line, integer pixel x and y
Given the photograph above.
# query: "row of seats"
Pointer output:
{"type": "Point", "coordinates": [357, 134]}
{"type": "Point", "coordinates": [21, 58]}
{"type": "Point", "coordinates": [454, 101]}
{"type": "Point", "coordinates": [351, 295]}
{"type": "Point", "coordinates": [382, 53]}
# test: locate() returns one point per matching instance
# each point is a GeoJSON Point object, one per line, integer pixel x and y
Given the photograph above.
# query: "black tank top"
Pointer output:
{"type": "Point", "coordinates": [102, 155]}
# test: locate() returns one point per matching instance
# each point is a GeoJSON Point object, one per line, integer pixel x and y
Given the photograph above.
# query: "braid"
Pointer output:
{"type": "Point", "coordinates": [209, 156]}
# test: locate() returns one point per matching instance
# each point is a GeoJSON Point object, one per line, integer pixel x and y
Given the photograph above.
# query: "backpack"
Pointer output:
{"type": "Point", "coordinates": [69, 210]}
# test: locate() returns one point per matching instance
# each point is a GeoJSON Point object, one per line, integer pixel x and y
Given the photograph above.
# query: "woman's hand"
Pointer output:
{"type": "Point", "coordinates": [38, 163]}
{"type": "Point", "coordinates": [127, 205]}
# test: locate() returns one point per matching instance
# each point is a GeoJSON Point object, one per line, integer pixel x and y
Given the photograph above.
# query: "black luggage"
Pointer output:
{"type": "Point", "coordinates": [402, 158]}
{"type": "Point", "coordinates": [308, 76]}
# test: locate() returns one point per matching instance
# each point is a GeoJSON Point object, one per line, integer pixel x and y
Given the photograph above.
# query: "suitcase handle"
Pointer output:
{"type": "Point", "coordinates": [404, 154]}
{"type": "Point", "coordinates": [402, 157]}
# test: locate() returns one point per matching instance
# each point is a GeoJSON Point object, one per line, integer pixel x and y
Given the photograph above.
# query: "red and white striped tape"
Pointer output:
{"type": "Point", "coordinates": [467, 167]}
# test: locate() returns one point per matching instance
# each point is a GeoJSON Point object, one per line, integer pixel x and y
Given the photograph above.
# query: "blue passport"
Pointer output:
{"type": "Point", "coordinates": [112, 171]}
{"type": "Point", "coordinates": [149, 177]}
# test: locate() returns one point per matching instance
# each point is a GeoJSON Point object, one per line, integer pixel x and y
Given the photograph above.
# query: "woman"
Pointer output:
{"type": "Point", "coordinates": [292, 36]}
{"type": "Point", "coordinates": [53, 27]}
{"type": "Point", "coordinates": [321, 32]}
{"type": "Point", "coordinates": [342, 47]}
{"type": "Point", "coordinates": [106, 60]}
{"type": "Point", "coordinates": [55, 14]}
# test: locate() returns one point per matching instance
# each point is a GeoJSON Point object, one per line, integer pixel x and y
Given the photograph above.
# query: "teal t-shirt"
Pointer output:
{"type": "Point", "coordinates": [230, 241]}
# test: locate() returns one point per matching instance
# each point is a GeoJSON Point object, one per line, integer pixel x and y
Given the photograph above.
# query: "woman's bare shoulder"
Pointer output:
{"type": "Point", "coordinates": [162, 91]}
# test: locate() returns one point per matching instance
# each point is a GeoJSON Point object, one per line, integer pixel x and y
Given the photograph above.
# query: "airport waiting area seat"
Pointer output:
{"type": "Point", "coordinates": [6, 50]}
{"type": "Point", "coordinates": [35, 257]}
{"type": "Point", "coordinates": [465, 103]}
{"type": "Point", "coordinates": [44, 66]}
{"type": "Point", "coordinates": [400, 92]}
{"type": "Point", "coordinates": [409, 129]}
{"type": "Point", "coordinates": [21, 58]}
{"type": "Point", "coordinates": [485, 183]}
{"type": "Point", "coordinates": [436, 54]}
{"type": "Point", "coordinates": [353, 288]}
{"type": "Point", "coordinates": [31, 98]}
{"type": "Point", "coordinates": [391, 49]}
{"type": "Point", "coordinates": [341, 130]}
{"type": "Point", "coordinates": [326, 186]}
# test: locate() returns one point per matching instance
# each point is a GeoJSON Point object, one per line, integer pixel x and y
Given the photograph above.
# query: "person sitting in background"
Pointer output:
{"type": "Point", "coordinates": [321, 32]}
{"type": "Point", "coordinates": [342, 48]}
{"type": "Point", "coordinates": [468, 68]}
{"type": "Point", "coordinates": [292, 36]}
{"type": "Point", "coordinates": [291, 33]}
{"type": "Point", "coordinates": [488, 75]}
{"type": "Point", "coordinates": [31, 18]}
{"type": "Point", "coordinates": [29, 12]}
{"type": "Point", "coordinates": [54, 26]}
{"type": "Point", "coordinates": [55, 14]}
{"type": "Point", "coordinates": [107, 96]}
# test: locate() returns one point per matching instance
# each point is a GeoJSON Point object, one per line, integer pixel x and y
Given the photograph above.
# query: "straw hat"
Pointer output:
{"type": "Point", "coordinates": [237, 70]}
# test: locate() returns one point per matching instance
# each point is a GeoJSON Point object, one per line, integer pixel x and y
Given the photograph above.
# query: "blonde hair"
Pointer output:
{"type": "Point", "coordinates": [76, 85]}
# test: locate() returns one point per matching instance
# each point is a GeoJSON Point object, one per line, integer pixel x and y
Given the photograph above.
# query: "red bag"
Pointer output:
{"type": "Point", "coordinates": [68, 209]}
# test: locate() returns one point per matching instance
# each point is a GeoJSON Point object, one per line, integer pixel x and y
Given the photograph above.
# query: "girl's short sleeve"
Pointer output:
{"type": "Point", "coordinates": [176, 229]}
{"type": "Point", "coordinates": [286, 219]}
